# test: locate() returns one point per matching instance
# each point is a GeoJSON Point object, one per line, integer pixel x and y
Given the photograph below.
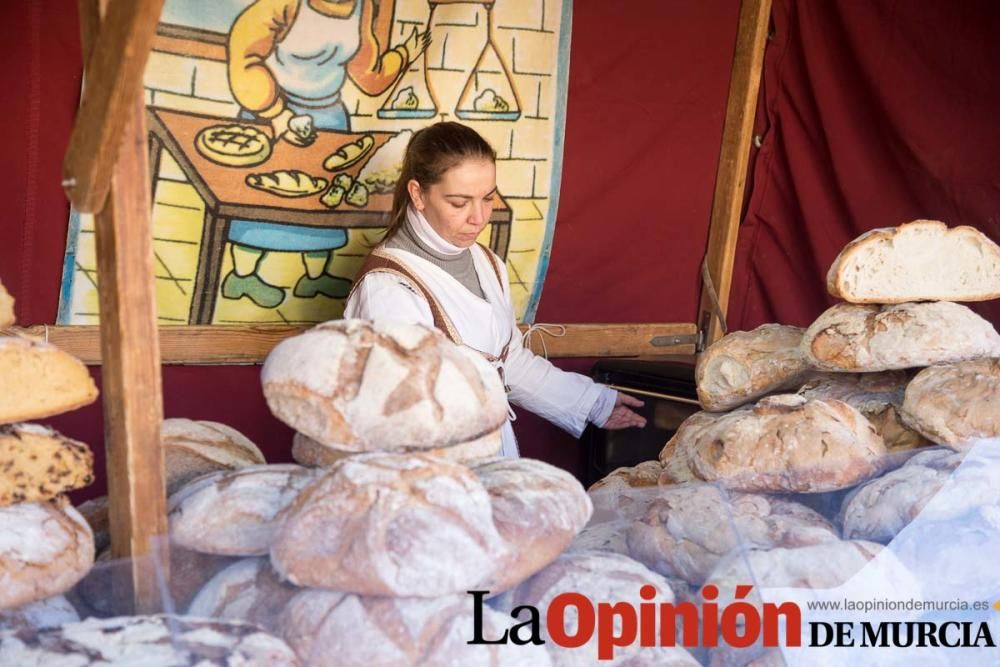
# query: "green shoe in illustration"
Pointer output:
{"type": "Point", "coordinates": [325, 284]}
{"type": "Point", "coordinates": [251, 285]}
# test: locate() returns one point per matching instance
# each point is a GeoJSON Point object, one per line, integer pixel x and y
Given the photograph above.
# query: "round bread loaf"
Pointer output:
{"type": "Point", "coordinates": [47, 613]}
{"type": "Point", "coordinates": [956, 404]}
{"type": "Point", "coordinates": [49, 381]}
{"type": "Point", "coordinates": [601, 577]}
{"type": "Point", "coordinates": [233, 513]}
{"type": "Point", "coordinates": [626, 492]}
{"type": "Point", "coordinates": [332, 629]}
{"type": "Point", "coordinates": [194, 448]}
{"type": "Point", "coordinates": [689, 528]}
{"type": "Point", "coordinates": [745, 365]}
{"type": "Point", "coordinates": [308, 452]}
{"type": "Point", "coordinates": [248, 590]}
{"type": "Point", "coordinates": [359, 387]}
{"type": "Point", "coordinates": [38, 464]}
{"type": "Point", "coordinates": [936, 484]}
{"type": "Point", "coordinates": [922, 260]}
{"type": "Point", "coordinates": [150, 641]}
{"type": "Point", "coordinates": [786, 443]}
{"type": "Point", "coordinates": [391, 524]}
{"type": "Point", "coordinates": [44, 551]}
{"type": "Point", "coordinates": [606, 535]}
{"type": "Point", "coordinates": [675, 455]}
{"type": "Point", "coordinates": [537, 508]}
{"type": "Point", "coordinates": [868, 338]}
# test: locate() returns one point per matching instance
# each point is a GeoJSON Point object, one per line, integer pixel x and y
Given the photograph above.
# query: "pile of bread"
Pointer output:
{"type": "Point", "coordinates": [364, 552]}
{"type": "Point", "coordinates": [816, 448]}
{"type": "Point", "coordinates": [46, 546]}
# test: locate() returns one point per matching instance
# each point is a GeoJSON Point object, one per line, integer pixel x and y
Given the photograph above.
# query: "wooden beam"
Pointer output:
{"type": "Point", "coordinates": [114, 68]}
{"type": "Point", "coordinates": [221, 344]}
{"type": "Point", "coordinates": [132, 393]}
{"type": "Point", "coordinates": [730, 181]}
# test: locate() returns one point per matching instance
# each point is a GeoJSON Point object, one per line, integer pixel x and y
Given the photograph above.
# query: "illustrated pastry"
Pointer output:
{"type": "Point", "coordinates": [348, 154]}
{"type": "Point", "coordinates": [358, 196]}
{"type": "Point", "coordinates": [233, 145]}
{"type": "Point", "coordinates": [301, 131]}
{"type": "Point", "coordinates": [287, 183]}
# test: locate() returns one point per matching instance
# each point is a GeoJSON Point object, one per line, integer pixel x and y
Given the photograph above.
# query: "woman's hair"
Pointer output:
{"type": "Point", "coordinates": [431, 152]}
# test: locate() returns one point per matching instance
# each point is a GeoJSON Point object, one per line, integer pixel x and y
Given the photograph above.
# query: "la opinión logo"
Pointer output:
{"type": "Point", "coordinates": [620, 624]}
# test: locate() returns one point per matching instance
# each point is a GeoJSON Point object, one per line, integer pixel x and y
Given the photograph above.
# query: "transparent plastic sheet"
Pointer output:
{"type": "Point", "coordinates": [933, 572]}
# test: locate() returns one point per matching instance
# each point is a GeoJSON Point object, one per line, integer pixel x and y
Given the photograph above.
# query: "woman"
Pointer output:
{"type": "Point", "coordinates": [430, 270]}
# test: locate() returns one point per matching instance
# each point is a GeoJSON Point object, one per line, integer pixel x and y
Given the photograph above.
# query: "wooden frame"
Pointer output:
{"type": "Point", "coordinates": [108, 153]}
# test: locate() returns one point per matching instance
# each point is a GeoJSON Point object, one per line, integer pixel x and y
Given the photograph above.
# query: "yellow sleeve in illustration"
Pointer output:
{"type": "Point", "coordinates": [372, 70]}
{"type": "Point", "coordinates": [251, 40]}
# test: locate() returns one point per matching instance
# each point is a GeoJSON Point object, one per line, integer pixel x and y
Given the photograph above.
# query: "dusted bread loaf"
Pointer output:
{"type": "Point", "coordinates": [359, 387]}
{"type": "Point", "coordinates": [234, 513]}
{"type": "Point", "coordinates": [676, 454]}
{"type": "Point", "coordinates": [308, 452]}
{"type": "Point", "coordinates": [860, 338]}
{"type": "Point", "coordinates": [44, 550]}
{"type": "Point", "coordinates": [150, 641]}
{"type": "Point", "coordinates": [537, 508]}
{"type": "Point", "coordinates": [47, 381]}
{"type": "Point", "coordinates": [689, 528]}
{"type": "Point", "coordinates": [6, 308]}
{"type": "Point", "coordinates": [194, 448]}
{"type": "Point", "coordinates": [37, 463]}
{"type": "Point", "coordinates": [248, 590]}
{"type": "Point", "coordinates": [391, 524]}
{"type": "Point", "coordinates": [921, 260]}
{"type": "Point", "coordinates": [786, 443]}
{"type": "Point", "coordinates": [601, 577]}
{"type": "Point", "coordinates": [955, 404]}
{"type": "Point", "coordinates": [878, 396]}
{"type": "Point", "coordinates": [746, 365]}
{"type": "Point", "coordinates": [332, 629]}
{"type": "Point", "coordinates": [932, 481]}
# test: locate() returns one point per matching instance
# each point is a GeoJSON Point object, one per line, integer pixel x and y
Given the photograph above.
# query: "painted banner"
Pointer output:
{"type": "Point", "coordinates": [277, 128]}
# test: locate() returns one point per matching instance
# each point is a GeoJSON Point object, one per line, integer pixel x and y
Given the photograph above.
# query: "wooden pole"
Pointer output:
{"type": "Point", "coordinates": [114, 65]}
{"type": "Point", "coordinates": [730, 181]}
{"type": "Point", "coordinates": [132, 391]}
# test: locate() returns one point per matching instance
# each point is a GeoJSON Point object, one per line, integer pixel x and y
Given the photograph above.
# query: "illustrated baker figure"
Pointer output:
{"type": "Point", "coordinates": [287, 62]}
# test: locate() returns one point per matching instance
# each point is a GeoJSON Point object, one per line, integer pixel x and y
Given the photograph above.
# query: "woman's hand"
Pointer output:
{"type": "Point", "coordinates": [622, 416]}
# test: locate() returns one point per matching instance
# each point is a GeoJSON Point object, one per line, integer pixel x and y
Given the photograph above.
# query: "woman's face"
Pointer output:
{"type": "Point", "coordinates": [459, 206]}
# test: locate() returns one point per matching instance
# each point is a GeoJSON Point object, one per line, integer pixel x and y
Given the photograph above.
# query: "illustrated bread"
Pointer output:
{"type": "Point", "coordinates": [382, 170]}
{"type": "Point", "coordinates": [359, 386]}
{"type": "Point", "coordinates": [287, 183]}
{"type": "Point", "coordinates": [786, 443]}
{"type": "Point", "coordinates": [879, 509]}
{"type": "Point", "coordinates": [391, 524]}
{"type": "Point", "coordinates": [867, 338]}
{"type": "Point", "coordinates": [537, 508]}
{"type": "Point", "coordinates": [48, 381]}
{"type": "Point", "coordinates": [194, 448]}
{"type": "Point", "coordinates": [604, 577]}
{"type": "Point", "coordinates": [922, 260]}
{"type": "Point", "coordinates": [44, 550]}
{"type": "Point", "coordinates": [955, 404]}
{"type": "Point", "coordinates": [6, 308]}
{"type": "Point", "coordinates": [233, 145]}
{"type": "Point", "coordinates": [39, 615]}
{"type": "Point", "coordinates": [308, 452]}
{"type": "Point", "coordinates": [745, 365]}
{"type": "Point", "coordinates": [349, 153]}
{"type": "Point", "coordinates": [234, 513]}
{"type": "Point", "coordinates": [689, 528]}
{"type": "Point", "coordinates": [333, 629]}
{"type": "Point", "coordinates": [248, 590]}
{"type": "Point", "coordinates": [150, 641]}
{"type": "Point", "coordinates": [878, 396]}
{"type": "Point", "coordinates": [37, 463]}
